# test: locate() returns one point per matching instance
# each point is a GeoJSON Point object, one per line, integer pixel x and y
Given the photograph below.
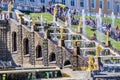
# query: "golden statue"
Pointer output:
{"type": "Point", "coordinates": [33, 22]}
{"type": "Point", "coordinates": [55, 11]}
{"type": "Point", "coordinates": [61, 37]}
{"type": "Point", "coordinates": [61, 33]}
{"type": "Point", "coordinates": [75, 43]}
{"type": "Point", "coordinates": [107, 38]}
{"type": "Point", "coordinates": [9, 7]}
{"type": "Point", "coordinates": [99, 48]}
{"type": "Point", "coordinates": [62, 6]}
{"type": "Point", "coordinates": [80, 25]}
{"type": "Point", "coordinates": [91, 65]}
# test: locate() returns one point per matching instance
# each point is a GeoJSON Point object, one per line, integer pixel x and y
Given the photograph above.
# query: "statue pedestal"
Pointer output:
{"type": "Point", "coordinates": [61, 43]}
{"type": "Point", "coordinates": [93, 36]}
{"type": "Point", "coordinates": [108, 44]}
{"type": "Point", "coordinates": [48, 34]}
{"type": "Point", "coordinates": [80, 31]}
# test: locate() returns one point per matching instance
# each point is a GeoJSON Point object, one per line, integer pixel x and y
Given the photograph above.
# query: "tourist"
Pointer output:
{"type": "Point", "coordinates": [43, 8]}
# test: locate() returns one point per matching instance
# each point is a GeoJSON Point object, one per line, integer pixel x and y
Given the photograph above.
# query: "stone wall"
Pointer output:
{"type": "Point", "coordinates": [35, 39]}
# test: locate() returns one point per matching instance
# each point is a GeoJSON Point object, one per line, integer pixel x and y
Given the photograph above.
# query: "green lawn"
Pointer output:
{"type": "Point", "coordinates": [49, 18]}
{"type": "Point", "coordinates": [117, 21]}
{"type": "Point", "coordinates": [87, 30]}
{"type": "Point", "coordinates": [76, 16]}
{"type": "Point", "coordinates": [114, 43]}
{"type": "Point", "coordinates": [46, 16]}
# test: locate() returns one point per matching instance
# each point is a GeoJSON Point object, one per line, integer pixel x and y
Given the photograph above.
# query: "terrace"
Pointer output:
{"type": "Point", "coordinates": [49, 18]}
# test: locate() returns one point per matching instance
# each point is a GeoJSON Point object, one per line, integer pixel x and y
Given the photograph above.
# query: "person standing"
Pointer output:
{"type": "Point", "coordinates": [43, 8]}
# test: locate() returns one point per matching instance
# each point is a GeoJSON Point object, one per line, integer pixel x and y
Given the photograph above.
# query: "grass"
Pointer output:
{"type": "Point", "coordinates": [113, 42]}
{"type": "Point", "coordinates": [45, 16]}
{"type": "Point", "coordinates": [88, 31]}
{"type": "Point", "coordinates": [117, 21]}
{"type": "Point", "coordinates": [74, 26]}
{"type": "Point", "coordinates": [76, 16]}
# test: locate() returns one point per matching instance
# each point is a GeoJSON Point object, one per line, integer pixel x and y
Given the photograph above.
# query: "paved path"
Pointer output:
{"type": "Point", "coordinates": [74, 75]}
{"type": "Point", "coordinates": [77, 75]}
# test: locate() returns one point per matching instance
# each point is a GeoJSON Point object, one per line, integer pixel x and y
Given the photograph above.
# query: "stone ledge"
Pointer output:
{"type": "Point", "coordinates": [27, 55]}
{"type": "Point", "coordinates": [39, 59]}
{"type": "Point", "coordinates": [14, 52]}
{"type": "Point", "coordinates": [67, 66]}
{"type": "Point", "coordinates": [53, 62]}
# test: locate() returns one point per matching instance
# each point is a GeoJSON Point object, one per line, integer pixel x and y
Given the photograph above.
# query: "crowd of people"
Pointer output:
{"type": "Point", "coordinates": [62, 13]}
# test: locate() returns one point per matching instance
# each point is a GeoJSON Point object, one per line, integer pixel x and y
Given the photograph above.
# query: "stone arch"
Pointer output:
{"type": "Point", "coordinates": [52, 57]}
{"type": "Point", "coordinates": [26, 46]}
{"type": "Point", "coordinates": [38, 51]}
{"type": "Point", "coordinates": [14, 41]}
{"type": "Point", "coordinates": [67, 62]}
